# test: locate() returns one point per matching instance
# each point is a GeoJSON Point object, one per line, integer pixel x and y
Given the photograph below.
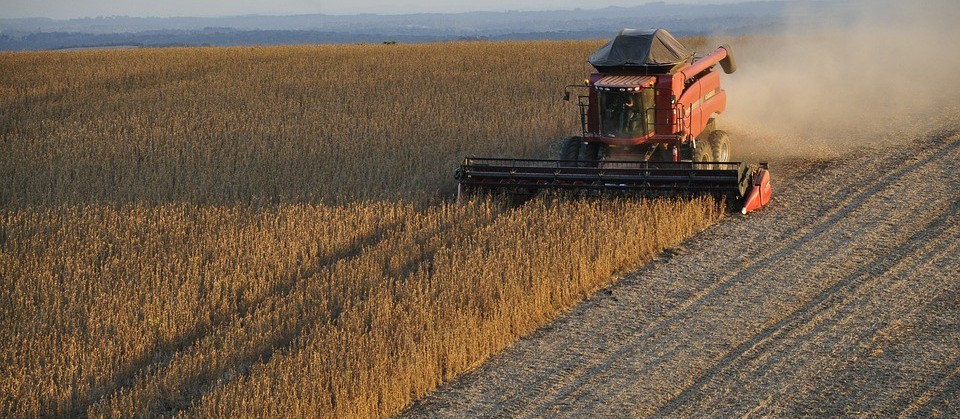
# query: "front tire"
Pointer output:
{"type": "Point", "coordinates": [703, 152]}
{"type": "Point", "coordinates": [589, 154]}
{"type": "Point", "coordinates": [570, 151]}
{"type": "Point", "coordinates": [720, 143]}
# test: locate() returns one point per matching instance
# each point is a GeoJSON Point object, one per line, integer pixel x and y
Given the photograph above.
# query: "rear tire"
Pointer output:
{"type": "Point", "coordinates": [570, 150]}
{"type": "Point", "coordinates": [720, 143]}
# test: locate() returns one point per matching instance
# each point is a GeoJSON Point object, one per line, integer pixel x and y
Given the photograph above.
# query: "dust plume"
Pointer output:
{"type": "Point", "coordinates": [877, 74]}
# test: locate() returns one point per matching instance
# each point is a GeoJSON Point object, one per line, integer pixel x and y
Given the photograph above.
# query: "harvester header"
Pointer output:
{"type": "Point", "coordinates": [648, 127]}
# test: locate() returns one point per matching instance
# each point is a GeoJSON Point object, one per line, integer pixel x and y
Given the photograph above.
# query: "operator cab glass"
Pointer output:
{"type": "Point", "coordinates": [626, 112]}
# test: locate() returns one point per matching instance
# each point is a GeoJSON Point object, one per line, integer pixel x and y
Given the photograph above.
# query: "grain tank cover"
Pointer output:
{"type": "Point", "coordinates": [640, 51]}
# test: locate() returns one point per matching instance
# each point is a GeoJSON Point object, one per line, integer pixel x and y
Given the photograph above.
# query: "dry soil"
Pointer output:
{"type": "Point", "coordinates": [841, 298]}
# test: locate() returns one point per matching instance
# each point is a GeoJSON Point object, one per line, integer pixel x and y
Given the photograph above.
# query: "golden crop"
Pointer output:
{"type": "Point", "coordinates": [267, 231]}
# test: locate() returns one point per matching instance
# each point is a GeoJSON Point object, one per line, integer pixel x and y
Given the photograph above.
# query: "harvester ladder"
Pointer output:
{"type": "Point", "coordinates": [583, 102]}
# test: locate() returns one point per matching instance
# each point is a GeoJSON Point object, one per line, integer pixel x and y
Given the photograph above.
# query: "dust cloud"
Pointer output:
{"type": "Point", "coordinates": [879, 74]}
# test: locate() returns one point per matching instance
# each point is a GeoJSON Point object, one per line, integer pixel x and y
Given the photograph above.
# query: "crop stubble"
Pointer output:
{"type": "Point", "coordinates": [840, 299]}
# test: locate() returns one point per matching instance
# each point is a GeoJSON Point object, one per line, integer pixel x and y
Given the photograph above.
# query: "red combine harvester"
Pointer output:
{"type": "Point", "coordinates": [648, 128]}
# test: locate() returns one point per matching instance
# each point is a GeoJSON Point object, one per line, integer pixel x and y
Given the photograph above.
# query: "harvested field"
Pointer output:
{"type": "Point", "coordinates": [841, 299]}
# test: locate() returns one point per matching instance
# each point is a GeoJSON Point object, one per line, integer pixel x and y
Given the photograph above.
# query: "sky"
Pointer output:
{"type": "Point", "coordinates": [67, 9]}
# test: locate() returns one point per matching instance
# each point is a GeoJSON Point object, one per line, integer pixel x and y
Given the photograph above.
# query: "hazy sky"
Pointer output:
{"type": "Point", "coordinates": [63, 9]}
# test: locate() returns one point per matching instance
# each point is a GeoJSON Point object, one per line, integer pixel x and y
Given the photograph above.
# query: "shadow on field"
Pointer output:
{"type": "Point", "coordinates": [155, 362]}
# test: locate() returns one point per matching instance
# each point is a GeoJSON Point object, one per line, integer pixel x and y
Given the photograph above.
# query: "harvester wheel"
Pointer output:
{"type": "Point", "coordinates": [570, 150]}
{"type": "Point", "coordinates": [588, 154]}
{"type": "Point", "coordinates": [603, 152]}
{"type": "Point", "coordinates": [703, 152]}
{"type": "Point", "coordinates": [720, 143]}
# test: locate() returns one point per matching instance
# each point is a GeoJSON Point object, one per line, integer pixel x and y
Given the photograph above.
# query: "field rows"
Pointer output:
{"type": "Point", "coordinates": [840, 299]}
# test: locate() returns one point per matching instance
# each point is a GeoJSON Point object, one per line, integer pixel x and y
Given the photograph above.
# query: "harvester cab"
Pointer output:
{"type": "Point", "coordinates": [626, 112]}
{"type": "Point", "coordinates": [648, 127]}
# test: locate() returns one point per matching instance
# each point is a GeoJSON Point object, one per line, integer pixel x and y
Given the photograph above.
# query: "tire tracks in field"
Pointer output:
{"type": "Point", "coordinates": [915, 246]}
{"type": "Point", "coordinates": [930, 326]}
{"type": "Point", "coordinates": [675, 320]}
{"type": "Point", "coordinates": [946, 382]}
{"type": "Point", "coordinates": [573, 379]}
{"type": "Point", "coordinates": [806, 311]}
{"type": "Point", "coordinates": [934, 381]}
{"type": "Point", "coordinates": [860, 348]}
{"type": "Point", "coordinates": [849, 202]}
{"type": "Point", "coordinates": [922, 406]}
{"type": "Point", "coordinates": [850, 187]}
{"type": "Point", "coordinates": [932, 244]}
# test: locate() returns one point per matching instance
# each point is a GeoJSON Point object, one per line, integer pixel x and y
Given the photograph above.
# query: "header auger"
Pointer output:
{"type": "Point", "coordinates": [648, 127]}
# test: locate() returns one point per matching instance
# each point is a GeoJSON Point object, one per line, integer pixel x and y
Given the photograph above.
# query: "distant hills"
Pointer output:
{"type": "Point", "coordinates": [685, 19]}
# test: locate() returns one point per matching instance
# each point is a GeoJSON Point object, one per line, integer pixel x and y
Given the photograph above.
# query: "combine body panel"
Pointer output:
{"type": "Point", "coordinates": [647, 127]}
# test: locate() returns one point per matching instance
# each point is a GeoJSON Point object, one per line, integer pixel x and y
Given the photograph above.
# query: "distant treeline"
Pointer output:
{"type": "Point", "coordinates": [65, 40]}
{"type": "Point", "coordinates": [689, 19]}
{"type": "Point", "coordinates": [69, 40]}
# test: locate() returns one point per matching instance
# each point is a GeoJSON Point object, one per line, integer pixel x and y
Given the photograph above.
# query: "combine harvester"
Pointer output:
{"type": "Point", "coordinates": [648, 129]}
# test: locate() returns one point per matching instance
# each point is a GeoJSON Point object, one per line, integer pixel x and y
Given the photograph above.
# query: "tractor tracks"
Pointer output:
{"type": "Point", "coordinates": [758, 264]}
{"type": "Point", "coordinates": [751, 316]}
{"type": "Point", "coordinates": [830, 301]}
